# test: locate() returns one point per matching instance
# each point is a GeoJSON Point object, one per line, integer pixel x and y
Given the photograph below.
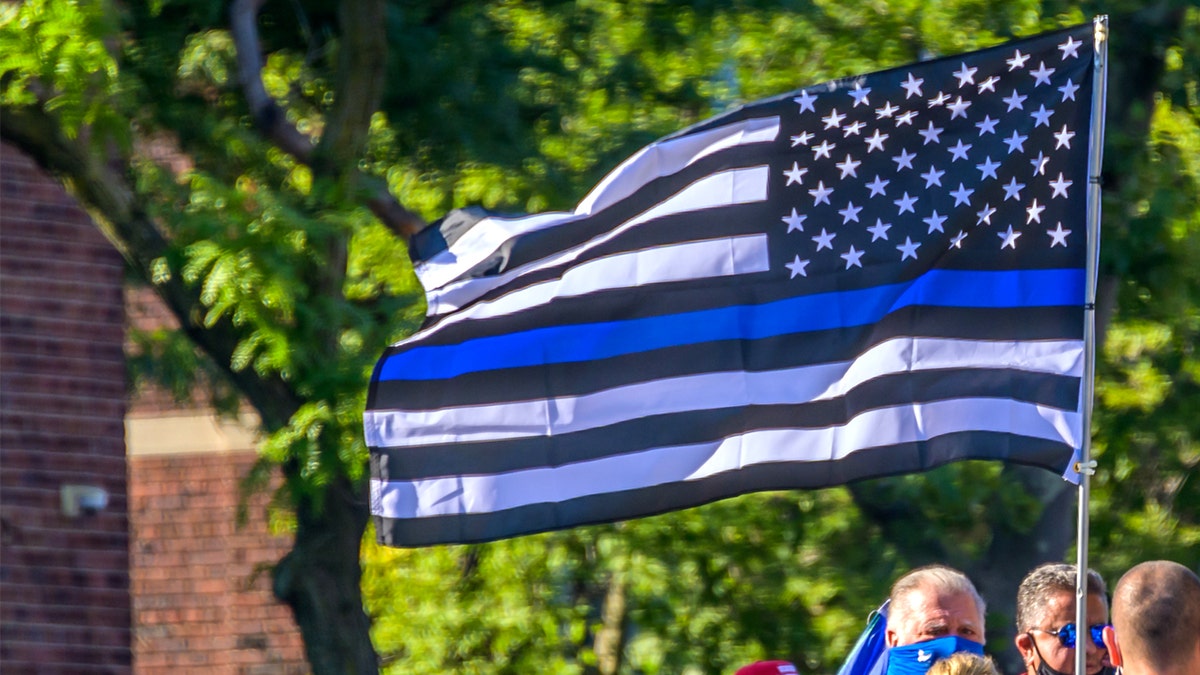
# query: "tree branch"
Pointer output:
{"type": "Point", "coordinates": [103, 191]}
{"type": "Point", "coordinates": [361, 75]}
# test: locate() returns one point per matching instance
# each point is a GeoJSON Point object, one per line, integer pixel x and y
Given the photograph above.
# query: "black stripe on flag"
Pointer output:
{"type": "Point", "coordinates": [889, 460]}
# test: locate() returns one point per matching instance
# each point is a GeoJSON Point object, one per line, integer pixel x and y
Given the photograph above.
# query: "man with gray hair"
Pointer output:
{"type": "Point", "coordinates": [1046, 633]}
{"type": "Point", "coordinates": [1156, 620]}
{"type": "Point", "coordinates": [933, 612]}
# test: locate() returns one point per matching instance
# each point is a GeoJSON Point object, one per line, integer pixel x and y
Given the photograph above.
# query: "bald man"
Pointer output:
{"type": "Point", "coordinates": [1156, 620]}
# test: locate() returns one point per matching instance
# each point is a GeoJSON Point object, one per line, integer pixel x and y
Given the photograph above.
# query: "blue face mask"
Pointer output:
{"type": "Point", "coordinates": [916, 658]}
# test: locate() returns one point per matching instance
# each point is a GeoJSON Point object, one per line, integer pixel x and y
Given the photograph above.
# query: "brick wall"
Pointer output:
{"type": "Point", "coordinates": [64, 582]}
{"type": "Point", "coordinates": [201, 600]}
{"type": "Point", "coordinates": [201, 585]}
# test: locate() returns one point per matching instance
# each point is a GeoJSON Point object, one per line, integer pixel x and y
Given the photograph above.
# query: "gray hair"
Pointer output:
{"type": "Point", "coordinates": [1046, 580]}
{"type": "Point", "coordinates": [940, 578]}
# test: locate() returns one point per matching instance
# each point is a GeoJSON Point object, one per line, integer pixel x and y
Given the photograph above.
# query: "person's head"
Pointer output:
{"type": "Point", "coordinates": [964, 663]}
{"type": "Point", "coordinates": [1156, 620]}
{"type": "Point", "coordinates": [1046, 633]}
{"type": "Point", "coordinates": [933, 602]}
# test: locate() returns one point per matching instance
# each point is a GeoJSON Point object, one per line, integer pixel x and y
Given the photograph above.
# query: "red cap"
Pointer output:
{"type": "Point", "coordinates": [768, 668]}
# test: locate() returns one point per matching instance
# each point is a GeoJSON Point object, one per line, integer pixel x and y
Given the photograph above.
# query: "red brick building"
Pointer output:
{"type": "Point", "coordinates": [161, 579]}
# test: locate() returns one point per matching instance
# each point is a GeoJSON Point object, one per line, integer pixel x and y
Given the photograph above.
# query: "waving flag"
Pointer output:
{"type": "Point", "coordinates": [868, 277]}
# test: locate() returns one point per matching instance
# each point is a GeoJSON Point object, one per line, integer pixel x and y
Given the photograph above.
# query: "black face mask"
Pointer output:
{"type": "Point", "coordinates": [1045, 669]}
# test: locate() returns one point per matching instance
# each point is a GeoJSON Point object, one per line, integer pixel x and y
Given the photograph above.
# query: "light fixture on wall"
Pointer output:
{"type": "Point", "coordinates": [82, 500]}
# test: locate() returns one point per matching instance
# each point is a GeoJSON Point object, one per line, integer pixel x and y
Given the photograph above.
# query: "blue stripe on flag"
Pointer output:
{"type": "Point", "coordinates": [567, 344]}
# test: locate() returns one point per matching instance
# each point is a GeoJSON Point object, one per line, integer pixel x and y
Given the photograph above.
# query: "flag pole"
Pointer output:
{"type": "Point", "coordinates": [1086, 466]}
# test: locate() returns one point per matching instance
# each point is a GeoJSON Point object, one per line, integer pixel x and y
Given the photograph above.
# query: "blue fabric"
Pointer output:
{"type": "Point", "coordinates": [915, 659]}
{"type": "Point", "coordinates": [866, 656]}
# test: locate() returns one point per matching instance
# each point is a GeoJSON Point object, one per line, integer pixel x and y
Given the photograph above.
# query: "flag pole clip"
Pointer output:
{"type": "Point", "coordinates": [1087, 468]}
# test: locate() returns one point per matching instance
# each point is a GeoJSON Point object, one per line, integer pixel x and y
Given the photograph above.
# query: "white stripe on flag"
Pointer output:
{"type": "Point", "coordinates": [710, 391]}
{"type": "Point", "coordinates": [665, 158]}
{"type": "Point", "coordinates": [726, 188]}
{"type": "Point", "coordinates": [659, 159]}
{"type": "Point", "coordinates": [479, 242]}
{"type": "Point", "coordinates": [661, 466]}
{"type": "Point", "coordinates": [713, 258]}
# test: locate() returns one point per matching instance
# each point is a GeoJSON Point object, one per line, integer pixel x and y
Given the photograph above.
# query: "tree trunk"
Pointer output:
{"type": "Point", "coordinates": [319, 579]}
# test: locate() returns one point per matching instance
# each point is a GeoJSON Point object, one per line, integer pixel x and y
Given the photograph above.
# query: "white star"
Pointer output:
{"type": "Point", "coordinates": [821, 193]}
{"type": "Point", "coordinates": [805, 100]}
{"type": "Point", "coordinates": [904, 159]}
{"type": "Point", "coordinates": [1064, 138]}
{"type": "Point", "coordinates": [1039, 164]}
{"type": "Point", "coordinates": [823, 149]}
{"type": "Point", "coordinates": [956, 242]}
{"type": "Point", "coordinates": [933, 177]}
{"type": "Point", "coordinates": [852, 257]}
{"type": "Point", "coordinates": [989, 84]}
{"type": "Point", "coordinates": [833, 120]}
{"type": "Point", "coordinates": [860, 95]}
{"type": "Point", "coordinates": [935, 222]}
{"type": "Point", "coordinates": [875, 142]}
{"type": "Point", "coordinates": [850, 213]}
{"type": "Point", "coordinates": [1070, 48]}
{"type": "Point", "coordinates": [1060, 186]}
{"type": "Point", "coordinates": [1009, 237]}
{"type": "Point", "coordinates": [987, 126]}
{"type": "Point", "coordinates": [1068, 90]}
{"type": "Point", "coordinates": [795, 221]}
{"type": "Point", "coordinates": [959, 108]}
{"type": "Point", "coordinates": [802, 139]}
{"type": "Point", "coordinates": [1017, 61]}
{"type": "Point", "coordinates": [906, 203]}
{"type": "Point", "coordinates": [795, 174]}
{"type": "Point", "coordinates": [906, 118]}
{"type": "Point", "coordinates": [824, 240]}
{"type": "Point", "coordinates": [848, 167]}
{"type": "Point", "coordinates": [877, 186]}
{"type": "Point", "coordinates": [1035, 213]}
{"type": "Point", "coordinates": [985, 216]}
{"type": "Point", "coordinates": [940, 99]}
{"type": "Point", "coordinates": [959, 151]}
{"type": "Point", "coordinates": [886, 111]}
{"type": "Point", "coordinates": [962, 195]}
{"type": "Point", "coordinates": [965, 75]}
{"type": "Point", "coordinates": [988, 168]}
{"type": "Point", "coordinates": [912, 86]}
{"type": "Point", "coordinates": [908, 248]}
{"type": "Point", "coordinates": [1058, 236]}
{"type": "Point", "coordinates": [1013, 190]}
{"type": "Point", "coordinates": [879, 230]}
{"type": "Point", "coordinates": [797, 267]}
{"type": "Point", "coordinates": [853, 129]}
{"type": "Point", "coordinates": [1042, 74]}
{"type": "Point", "coordinates": [1015, 142]}
{"type": "Point", "coordinates": [1014, 101]}
{"type": "Point", "coordinates": [1042, 116]}
{"type": "Point", "coordinates": [930, 134]}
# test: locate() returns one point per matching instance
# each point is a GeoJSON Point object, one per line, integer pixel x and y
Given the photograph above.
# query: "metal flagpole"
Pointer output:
{"type": "Point", "coordinates": [1086, 466]}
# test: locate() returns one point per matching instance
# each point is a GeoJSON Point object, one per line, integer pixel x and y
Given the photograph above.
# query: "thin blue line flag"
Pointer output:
{"type": "Point", "coordinates": [868, 277]}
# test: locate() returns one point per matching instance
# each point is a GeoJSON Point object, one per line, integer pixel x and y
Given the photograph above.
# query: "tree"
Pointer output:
{"type": "Point", "coordinates": [261, 165]}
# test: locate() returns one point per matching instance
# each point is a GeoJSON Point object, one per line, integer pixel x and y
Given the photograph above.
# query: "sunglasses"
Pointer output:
{"type": "Point", "coordinates": [1067, 635]}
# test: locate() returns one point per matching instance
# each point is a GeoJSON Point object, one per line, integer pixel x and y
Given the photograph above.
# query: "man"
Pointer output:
{"type": "Point", "coordinates": [1156, 620]}
{"type": "Point", "coordinates": [933, 612]}
{"type": "Point", "coordinates": [933, 602]}
{"type": "Point", "coordinates": [1046, 633]}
